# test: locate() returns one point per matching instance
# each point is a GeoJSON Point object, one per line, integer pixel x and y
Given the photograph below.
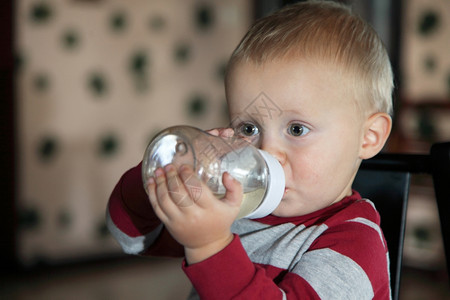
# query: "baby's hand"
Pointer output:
{"type": "Point", "coordinates": [229, 132]}
{"type": "Point", "coordinates": [222, 132]}
{"type": "Point", "coordinates": [190, 211]}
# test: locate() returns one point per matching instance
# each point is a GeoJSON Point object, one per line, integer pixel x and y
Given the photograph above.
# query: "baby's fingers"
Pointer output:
{"type": "Point", "coordinates": [222, 132]}
{"type": "Point", "coordinates": [214, 131]}
{"type": "Point", "coordinates": [192, 183]}
{"type": "Point", "coordinates": [234, 190]}
{"type": "Point", "coordinates": [226, 132]}
{"type": "Point", "coordinates": [177, 191]}
{"type": "Point", "coordinates": [162, 195]}
{"type": "Point", "coordinates": [151, 191]}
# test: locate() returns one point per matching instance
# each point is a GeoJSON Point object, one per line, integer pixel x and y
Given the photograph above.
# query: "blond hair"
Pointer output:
{"type": "Point", "coordinates": [324, 31]}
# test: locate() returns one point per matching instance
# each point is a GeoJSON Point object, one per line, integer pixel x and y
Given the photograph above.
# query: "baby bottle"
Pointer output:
{"type": "Point", "coordinates": [260, 174]}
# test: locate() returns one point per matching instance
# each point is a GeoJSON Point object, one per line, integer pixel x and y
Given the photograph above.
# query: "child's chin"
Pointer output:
{"type": "Point", "coordinates": [284, 211]}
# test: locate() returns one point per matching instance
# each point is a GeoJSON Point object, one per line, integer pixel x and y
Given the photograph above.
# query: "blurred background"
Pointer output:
{"type": "Point", "coordinates": [85, 85]}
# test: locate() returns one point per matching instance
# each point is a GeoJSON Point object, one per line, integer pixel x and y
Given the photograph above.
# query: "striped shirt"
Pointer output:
{"type": "Point", "coordinates": [338, 252]}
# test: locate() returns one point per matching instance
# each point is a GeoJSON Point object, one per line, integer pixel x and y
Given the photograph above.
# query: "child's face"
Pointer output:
{"type": "Point", "coordinates": [305, 115]}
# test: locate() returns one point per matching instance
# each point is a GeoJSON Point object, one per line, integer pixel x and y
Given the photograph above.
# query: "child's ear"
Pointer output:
{"type": "Point", "coordinates": [376, 131]}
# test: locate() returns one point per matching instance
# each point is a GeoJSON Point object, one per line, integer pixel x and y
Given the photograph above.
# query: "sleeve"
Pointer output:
{"type": "Point", "coordinates": [230, 274]}
{"type": "Point", "coordinates": [132, 222]}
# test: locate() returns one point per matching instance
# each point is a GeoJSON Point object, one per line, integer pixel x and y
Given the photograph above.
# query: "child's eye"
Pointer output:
{"type": "Point", "coordinates": [296, 129]}
{"type": "Point", "coordinates": [248, 129]}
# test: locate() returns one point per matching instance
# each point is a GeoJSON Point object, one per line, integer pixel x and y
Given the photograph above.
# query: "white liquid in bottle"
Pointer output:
{"type": "Point", "coordinates": [250, 202]}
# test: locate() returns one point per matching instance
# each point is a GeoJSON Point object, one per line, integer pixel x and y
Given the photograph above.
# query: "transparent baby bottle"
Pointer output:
{"type": "Point", "coordinates": [259, 173]}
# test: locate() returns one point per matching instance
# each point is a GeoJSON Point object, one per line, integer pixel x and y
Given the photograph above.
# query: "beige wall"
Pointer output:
{"type": "Point", "coordinates": [96, 80]}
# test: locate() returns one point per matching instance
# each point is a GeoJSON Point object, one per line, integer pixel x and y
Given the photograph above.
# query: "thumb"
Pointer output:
{"type": "Point", "coordinates": [234, 194]}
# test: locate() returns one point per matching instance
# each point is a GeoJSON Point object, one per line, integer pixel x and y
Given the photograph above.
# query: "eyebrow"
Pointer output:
{"type": "Point", "coordinates": [282, 111]}
{"type": "Point", "coordinates": [240, 117]}
{"type": "Point", "coordinates": [297, 112]}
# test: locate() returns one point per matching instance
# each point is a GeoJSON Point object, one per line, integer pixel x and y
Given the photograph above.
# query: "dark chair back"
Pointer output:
{"type": "Point", "coordinates": [385, 180]}
{"type": "Point", "coordinates": [391, 202]}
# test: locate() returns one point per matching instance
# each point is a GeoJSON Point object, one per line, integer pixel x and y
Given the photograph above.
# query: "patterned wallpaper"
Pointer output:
{"type": "Point", "coordinates": [95, 81]}
{"type": "Point", "coordinates": [423, 117]}
{"type": "Point", "coordinates": [426, 50]}
{"type": "Point", "coordinates": [424, 112]}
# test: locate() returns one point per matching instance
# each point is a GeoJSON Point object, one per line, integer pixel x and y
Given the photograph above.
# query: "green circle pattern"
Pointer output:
{"type": "Point", "coordinates": [70, 39]}
{"type": "Point", "coordinates": [428, 23]}
{"type": "Point", "coordinates": [48, 148]}
{"type": "Point", "coordinates": [118, 22]}
{"type": "Point", "coordinates": [41, 13]}
{"type": "Point", "coordinates": [98, 84]}
{"type": "Point", "coordinates": [108, 146]}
